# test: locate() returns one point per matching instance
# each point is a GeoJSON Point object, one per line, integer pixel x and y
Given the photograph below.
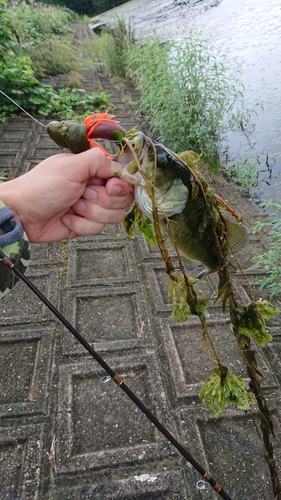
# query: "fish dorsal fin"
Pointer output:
{"type": "Point", "coordinates": [237, 234]}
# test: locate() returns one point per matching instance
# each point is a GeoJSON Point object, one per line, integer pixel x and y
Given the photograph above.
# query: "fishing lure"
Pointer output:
{"type": "Point", "coordinates": [78, 137]}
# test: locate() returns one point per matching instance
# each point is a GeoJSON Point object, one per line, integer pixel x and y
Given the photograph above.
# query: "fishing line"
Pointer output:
{"type": "Point", "coordinates": [14, 102]}
{"type": "Point", "coordinates": [4, 260]}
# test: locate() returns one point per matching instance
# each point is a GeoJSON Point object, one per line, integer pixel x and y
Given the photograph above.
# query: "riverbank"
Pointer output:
{"type": "Point", "coordinates": [65, 433]}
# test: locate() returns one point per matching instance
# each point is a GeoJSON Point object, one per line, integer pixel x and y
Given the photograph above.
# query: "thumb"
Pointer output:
{"type": "Point", "coordinates": [91, 163]}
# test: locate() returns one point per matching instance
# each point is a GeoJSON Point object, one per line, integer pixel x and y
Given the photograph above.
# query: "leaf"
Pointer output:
{"type": "Point", "coordinates": [251, 321]}
{"type": "Point", "coordinates": [181, 313]}
{"type": "Point", "coordinates": [117, 136]}
{"type": "Point", "coordinates": [220, 391]}
{"type": "Point", "coordinates": [178, 294]}
{"type": "Point", "coordinates": [147, 229]}
{"type": "Point", "coordinates": [267, 310]}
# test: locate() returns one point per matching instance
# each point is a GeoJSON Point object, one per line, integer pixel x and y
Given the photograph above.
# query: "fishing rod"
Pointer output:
{"type": "Point", "coordinates": [8, 263]}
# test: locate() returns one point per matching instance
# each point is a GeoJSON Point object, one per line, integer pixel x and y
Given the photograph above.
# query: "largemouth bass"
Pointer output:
{"type": "Point", "coordinates": [189, 212]}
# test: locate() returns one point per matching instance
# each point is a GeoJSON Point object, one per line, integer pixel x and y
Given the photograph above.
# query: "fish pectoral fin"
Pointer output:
{"type": "Point", "coordinates": [174, 200]}
{"type": "Point", "coordinates": [238, 236]}
{"type": "Point", "coordinates": [129, 220]}
{"type": "Point", "coordinates": [189, 264]}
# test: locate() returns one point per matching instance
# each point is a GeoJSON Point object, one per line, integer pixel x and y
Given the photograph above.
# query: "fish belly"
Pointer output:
{"type": "Point", "coordinates": [194, 248]}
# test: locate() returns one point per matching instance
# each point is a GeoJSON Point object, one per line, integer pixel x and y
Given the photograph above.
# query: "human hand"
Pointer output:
{"type": "Point", "coordinates": [68, 195]}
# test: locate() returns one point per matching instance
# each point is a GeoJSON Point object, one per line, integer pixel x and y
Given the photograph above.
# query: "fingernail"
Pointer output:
{"type": "Point", "coordinates": [66, 221]}
{"type": "Point", "coordinates": [91, 194]}
{"type": "Point", "coordinates": [80, 206]}
{"type": "Point", "coordinates": [115, 190]}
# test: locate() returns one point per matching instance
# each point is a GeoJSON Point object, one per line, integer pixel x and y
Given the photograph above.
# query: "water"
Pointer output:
{"type": "Point", "coordinates": [249, 32]}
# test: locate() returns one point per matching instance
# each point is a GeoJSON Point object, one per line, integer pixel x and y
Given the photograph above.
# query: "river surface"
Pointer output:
{"type": "Point", "coordinates": [249, 33]}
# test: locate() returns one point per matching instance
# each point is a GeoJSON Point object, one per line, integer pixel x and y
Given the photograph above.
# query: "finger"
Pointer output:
{"type": "Point", "coordinates": [92, 163]}
{"type": "Point", "coordinates": [99, 195]}
{"type": "Point", "coordinates": [95, 212]}
{"type": "Point", "coordinates": [96, 181]}
{"type": "Point", "coordinates": [117, 187]}
{"type": "Point", "coordinates": [79, 226]}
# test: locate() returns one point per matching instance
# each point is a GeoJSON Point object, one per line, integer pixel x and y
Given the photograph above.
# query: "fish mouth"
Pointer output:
{"type": "Point", "coordinates": [134, 159]}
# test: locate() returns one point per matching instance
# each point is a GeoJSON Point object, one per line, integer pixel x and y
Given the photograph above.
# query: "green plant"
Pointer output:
{"type": "Point", "coordinates": [45, 36]}
{"type": "Point", "coordinates": [75, 79]}
{"type": "Point", "coordinates": [18, 75]}
{"type": "Point", "coordinates": [43, 99]}
{"type": "Point", "coordinates": [244, 172]}
{"type": "Point", "coordinates": [190, 96]}
{"type": "Point", "coordinates": [53, 56]}
{"type": "Point", "coordinates": [41, 20]}
{"type": "Point", "coordinates": [111, 46]}
{"type": "Point", "coordinates": [6, 32]}
{"type": "Point", "coordinates": [63, 104]}
{"type": "Point", "coordinates": [24, 90]}
{"type": "Point", "coordinates": [105, 50]}
{"type": "Point", "coordinates": [74, 103]}
{"type": "Point", "coordinates": [122, 34]}
{"type": "Point", "coordinates": [3, 176]}
{"type": "Point", "coordinates": [270, 262]}
{"type": "Point", "coordinates": [93, 50]}
{"type": "Point", "coordinates": [221, 390]}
